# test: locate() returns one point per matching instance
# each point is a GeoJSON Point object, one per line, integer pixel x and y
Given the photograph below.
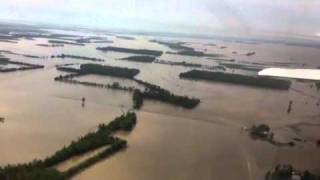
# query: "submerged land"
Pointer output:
{"type": "Point", "coordinates": [106, 105]}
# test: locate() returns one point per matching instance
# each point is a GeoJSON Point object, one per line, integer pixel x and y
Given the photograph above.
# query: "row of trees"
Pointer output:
{"type": "Point", "coordinates": [132, 51]}
{"type": "Point", "coordinates": [24, 66]}
{"type": "Point", "coordinates": [186, 64]}
{"type": "Point", "coordinates": [145, 59]}
{"type": "Point", "coordinates": [193, 53]}
{"type": "Point", "coordinates": [157, 93]}
{"type": "Point", "coordinates": [121, 72]}
{"type": "Point", "coordinates": [77, 57]}
{"type": "Point", "coordinates": [238, 79]}
{"type": "Point", "coordinates": [174, 45]}
{"type": "Point", "coordinates": [42, 169]}
{"type": "Point", "coordinates": [242, 66]}
{"type": "Point", "coordinates": [65, 42]}
{"type": "Point", "coordinates": [108, 70]}
{"type": "Point", "coordinates": [137, 99]}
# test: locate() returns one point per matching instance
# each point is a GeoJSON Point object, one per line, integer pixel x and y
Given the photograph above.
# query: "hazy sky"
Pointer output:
{"type": "Point", "coordinates": [194, 16]}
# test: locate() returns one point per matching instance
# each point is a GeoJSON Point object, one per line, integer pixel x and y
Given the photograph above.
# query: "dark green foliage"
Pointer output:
{"type": "Point", "coordinates": [193, 53]}
{"type": "Point", "coordinates": [117, 145]}
{"type": "Point", "coordinates": [186, 64]}
{"type": "Point", "coordinates": [108, 70]}
{"type": "Point", "coordinates": [93, 140]}
{"type": "Point", "coordinates": [133, 51]}
{"type": "Point", "coordinates": [261, 130]}
{"type": "Point", "coordinates": [174, 45]}
{"type": "Point", "coordinates": [23, 172]}
{"type": "Point", "coordinates": [65, 42]}
{"type": "Point", "coordinates": [238, 79]}
{"type": "Point", "coordinates": [188, 53]}
{"type": "Point", "coordinates": [50, 45]}
{"type": "Point", "coordinates": [157, 93]}
{"type": "Point", "coordinates": [137, 99]}
{"type": "Point", "coordinates": [77, 57]}
{"type": "Point", "coordinates": [183, 63]}
{"type": "Point", "coordinates": [40, 170]}
{"type": "Point", "coordinates": [84, 144]}
{"type": "Point", "coordinates": [145, 59]}
{"type": "Point", "coordinates": [124, 122]}
{"type": "Point", "coordinates": [242, 66]}
{"type": "Point", "coordinates": [25, 66]}
{"type": "Point", "coordinates": [101, 70]}
{"type": "Point", "coordinates": [30, 56]}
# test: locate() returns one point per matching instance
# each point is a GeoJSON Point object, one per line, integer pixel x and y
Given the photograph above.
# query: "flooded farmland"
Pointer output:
{"type": "Point", "coordinates": [168, 142]}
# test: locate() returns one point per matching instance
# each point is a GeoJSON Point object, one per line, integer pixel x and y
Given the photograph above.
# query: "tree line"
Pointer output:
{"type": "Point", "coordinates": [43, 169]}
{"type": "Point", "coordinates": [257, 81]}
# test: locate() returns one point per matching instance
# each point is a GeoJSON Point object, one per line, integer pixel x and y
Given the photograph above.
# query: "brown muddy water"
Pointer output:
{"type": "Point", "coordinates": [41, 115]}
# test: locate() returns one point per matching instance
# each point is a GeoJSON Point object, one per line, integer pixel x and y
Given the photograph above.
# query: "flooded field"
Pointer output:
{"type": "Point", "coordinates": [168, 142]}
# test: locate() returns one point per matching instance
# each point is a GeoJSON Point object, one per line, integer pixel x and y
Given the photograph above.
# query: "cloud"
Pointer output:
{"type": "Point", "coordinates": [238, 16]}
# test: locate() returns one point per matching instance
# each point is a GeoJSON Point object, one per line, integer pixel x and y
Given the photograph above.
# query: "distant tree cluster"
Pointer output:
{"type": "Point", "coordinates": [133, 51]}
{"type": "Point", "coordinates": [157, 93]}
{"type": "Point", "coordinates": [243, 66]}
{"type": "Point", "coordinates": [258, 81]}
{"type": "Point", "coordinates": [193, 53]}
{"type": "Point", "coordinates": [77, 57]}
{"type": "Point", "coordinates": [137, 99]}
{"type": "Point", "coordinates": [174, 45]}
{"type": "Point", "coordinates": [65, 42]}
{"type": "Point", "coordinates": [51, 45]}
{"type": "Point", "coordinates": [145, 59]}
{"type": "Point", "coordinates": [108, 70]}
{"type": "Point", "coordinates": [186, 64]}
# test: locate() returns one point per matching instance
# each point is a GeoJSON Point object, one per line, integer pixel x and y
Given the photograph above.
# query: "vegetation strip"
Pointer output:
{"type": "Point", "coordinates": [193, 53]}
{"type": "Point", "coordinates": [174, 45]}
{"type": "Point", "coordinates": [144, 59]}
{"type": "Point", "coordinates": [43, 169]}
{"type": "Point", "coordinates": [157, 93]}
{"type": "Point", "coordinates": [242, 66]}
{"type": "Point", "coordinates": [257, 81]}
{"type": "Point", "coordinates": [129, 50]}
{"type": "Point", "coordinates": [65, 42]}
{"type": "Point", "coordinates": [186, 64]}
{"type": "Point", "coordinates": [25, 66]}
{"type": "Point", "coordinates": [77, 57]}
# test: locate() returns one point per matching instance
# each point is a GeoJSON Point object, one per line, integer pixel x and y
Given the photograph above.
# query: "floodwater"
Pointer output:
{"type": "Point", "coordinates": [168, 142]}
